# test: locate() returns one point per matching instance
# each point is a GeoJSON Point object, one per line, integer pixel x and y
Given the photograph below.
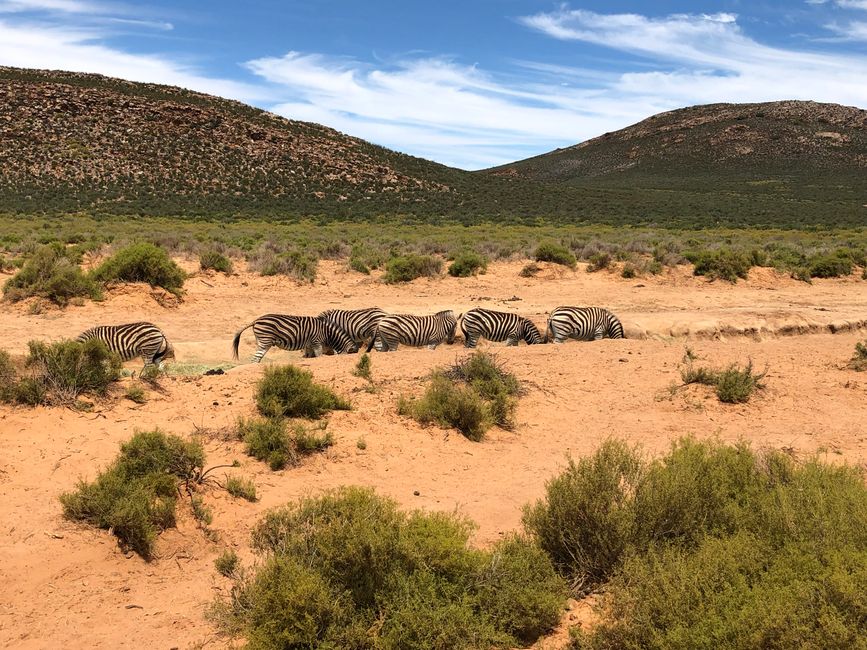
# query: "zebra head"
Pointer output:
{"type": "Point", "coordinates": [530, 333]}
{"type": "Point", "coordinates": [170, 351]}
{"type": "Point", "coordinates": [338, 340]}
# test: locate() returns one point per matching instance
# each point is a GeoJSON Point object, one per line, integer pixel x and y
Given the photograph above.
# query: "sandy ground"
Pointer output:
{"type": "Point", "coordinates": [69, 585]}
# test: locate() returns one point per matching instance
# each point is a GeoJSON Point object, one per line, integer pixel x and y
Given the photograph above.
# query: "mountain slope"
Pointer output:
{"type": "Point", "coordinates": [792, 148]}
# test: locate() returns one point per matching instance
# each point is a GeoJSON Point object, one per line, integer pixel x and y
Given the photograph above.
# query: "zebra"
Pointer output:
{"type": "Point", "coordinates": [132, 340]}
{"type": "Point", "coordinates": [583, 323]}
{"type": "Point", "coordinates": [309, 333]}
{"type": "Point", "coordinates": [360, 324]}
{"type": "Point", "coordinates": [418, 331]}
{"type": "Point", "coordinates": [498, 326]}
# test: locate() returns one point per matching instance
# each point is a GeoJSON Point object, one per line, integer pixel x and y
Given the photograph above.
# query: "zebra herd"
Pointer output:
{"type": "Point", "coordinates": [345, 331]}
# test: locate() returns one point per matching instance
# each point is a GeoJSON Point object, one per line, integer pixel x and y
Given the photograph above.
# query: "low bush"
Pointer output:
{"type": "Point", "coordinates": [241, 488]}
{"type": "Point", "coordinates": [272, 441]}
{"type": "Point", "coordinates": [629, 271]}
{"type": "Point", "coordinates": [467, 264]}
{"type": "Point", "coordinates": [722, 264]}
{"type": "Point", "coordinates": [831, 265]}
{"type": "Point", "coordinates": [405, 268]}
{"type": "Point", "coordinates": [295, 264]}
{"type": "Point", "coordinates": [599, 261]}
{"type": "Point", "coordinates": [556, 253]}
{"type": "Point", "coordinates": [357, 264]}
{"type": "Point", "coordinates": [215, 260]}
{"type": "Point", "coordinates": [362, 368]}
{"type": "Point", "coordinates": [142, 262]}
{"type": "Point", "coordinates": [530, 270]}
{"type": "Point", "coordinates": [136, 393]}
{"type": "Point", "coordinates": [287, 391]}
{"type": "Point", "coordinates": [51, 274]}
{"type": "Point", "coordinates": [734, 385]}
{"type": "Point", "coordinates": [228, 563]}
{"type": "Point", "coordinates": [135, 496]}
{"type": "Point", "coordinates": [470, 397]}
{"type": "Point", "coordinates": [349, 570]}
{"type": "Point", "coordinates": [857, 362]}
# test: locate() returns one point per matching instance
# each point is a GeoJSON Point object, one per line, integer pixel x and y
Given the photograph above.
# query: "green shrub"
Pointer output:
{"type": "Point", "coordinates": [599, 261]}
{"type": "Point", "coordinates": [142, 262]}
{"type": "Point", "coordinates": [831, 265]}
{"type": "Point", "coordinates": [586, 521]}
{"type": "Point", "coordinates": [241, 488]}
{"type": "Point", "coordinates": [51, 274]}
{"type": "Point", "coordinates": [349, 570]}
{"type": "Point", "coordinates": [362, 368]}
{"type": "Point", "coordinates": [215, 260]}
{"type": "Point", "coordinates": [136, 393]}
{"type": "Point", "coordinates": [629, 271]}
{"type": "Point", "coordinates": [735, 385]}
{"type": "Point", "coordinates": [492, 382]}
{"type": "Point", "coordinates": [556, 253]}
{"type": "Point", "coordinates": [294, 264]}
{"type": "Point", "coordinates": [722, 264]}
{"type": "Point", "coordinates": [358, 264]}
{"type": "Point", "coordinates": [655, 267]}
{"type": "Point", "coordinates": [449, 405]}
{"type": "Point", "coordinates": [67, 369]}
{"type": "Point", "coordinates": [227, 563]}
{"type": "Point", "coordinates": [201, 513]}
{"type": "Point", "coordinates": [467, 264]}
{"type": "Point", "coordinates": [405, 268]}
{"type": "Point", "coordinates": [266, 439]}
{"type": "Point", "coordinates": [309, 442]}
{"type": "Point", "coordinates": [858, 361]}
{"type": "Point", "coordinates": [289, 391]}
{"type": "Point", "coordinates": [135, 496]}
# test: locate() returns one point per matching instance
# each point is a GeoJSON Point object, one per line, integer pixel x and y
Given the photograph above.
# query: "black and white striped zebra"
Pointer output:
{"type": "Point", "coordinates": [498, 326]}
{"type": "Point", "coordinates": [309, 333]}
{"type": "Point", "coordinates": [417, 331]}
{"type": "Point", "coordinates": [583, 323]}
{"type": "Point", "coordinates": [360, 324]}
{"type": "Point", "coordinates": [132, 340]}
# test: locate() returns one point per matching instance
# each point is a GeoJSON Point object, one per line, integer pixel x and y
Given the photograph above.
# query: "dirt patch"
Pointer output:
{"type": "Point", "coordinates": [72, 585]}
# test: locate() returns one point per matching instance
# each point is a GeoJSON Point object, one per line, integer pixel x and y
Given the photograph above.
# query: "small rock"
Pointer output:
{"type": "Point", "coordinates": [416, 493]}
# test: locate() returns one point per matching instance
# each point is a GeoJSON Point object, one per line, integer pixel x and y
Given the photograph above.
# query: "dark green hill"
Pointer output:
{"type": "Point", "coordinates": [79, 142]}
{"type": "Point", "coordinates": [803, 155]}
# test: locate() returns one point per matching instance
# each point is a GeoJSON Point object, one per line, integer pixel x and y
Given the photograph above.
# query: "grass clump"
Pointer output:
{"type": "Point", "coordinates": [556, 253]}
{"type": "Point", "coordinates": [142, 262]}
{"type": "Point", "coordinates": [271, 441]}
{"type": "Point", "coordinates": [288, 391]}
{"type": "Point", "coordinates": [135, 496]}
{"type": "Point", "coordinates": [734, 385]}
{"type": "Point", "coordinates": [470, 397]}
{"type": "Point", "coordinates": [350, 570]}
{"type": "Point", "coordinates": [406, 268]}
{"type": "Point", "coordinates": [228, 563]}
{"type": "Point", "coordinates": [722, 547]}
{"type": "Point", "coordinates": [58, 373]}
{"type": "Point", "coordinates": [51, 273]}
{"type": "Point", "coordinates": [215, 260]}
{"type": "Point", "coordinates": [722, 264]}
{"type": "Point", "coordinates": [135, 393]}
{"type": "Point", "coordinates": [857, 362]}
{"type": "Point", "coordinates": [530, 270]}
{"type": "Point", "coordinates": [241, 488]}
{"type": "Point", "coordinates": [467, 264]}
{"type": "Point", "coordinates": [362, 368]}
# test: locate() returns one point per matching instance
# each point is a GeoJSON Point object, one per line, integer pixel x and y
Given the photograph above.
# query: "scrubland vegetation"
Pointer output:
{"type": "Point", "coordinates": [733, 385]}
{"type": "Point", "coordinates": [471, 396]}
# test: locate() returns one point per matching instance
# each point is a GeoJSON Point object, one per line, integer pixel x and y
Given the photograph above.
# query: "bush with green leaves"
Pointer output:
{"type": "Point", "coordinates": [530, 270]}
{"type": "Point", "coordinates": [51, 273]}
{"type": "Point", "coordinates": [362, 368]}
{"type": "Point", "coordinates": [135, 496]}
{"type": "Point", "coordinates": [831, 265]}
{"type": "Point", "coordinates": [295, 264]}
{"type": "Point", "coordinates": [599, 261]}
{"type": "Point", "coordinates": [288, 391]}
{"type": "Point", "coordinates": [142, 262]}
{"type": "Point", "coordinates": [212, 259]}
{"type": "Point", "coordinates": [734, 385]}
{"type": "Point", "coordinates": [721, 264]}
{"type": "Point", "coordinates": [241, 488]}
{"type": "Point", "coordinates": [350, 570]}
{"type": "Point", "coordinates": [406, 268]}
{"type": "Point", "coordinates": [857, 362]}
{"type": "Point", "coordinates": [274, 441]}
{"type": "Point", "coordinates": [470, 397]}
{"type": "Point", "coordinates": [556, 253]}
{"type": "Point", "coordinates": [467, 264]}
{"type": "Point", "coordinates": [726, 547]}
{"type": "Point", "coordinates": [227, 563]}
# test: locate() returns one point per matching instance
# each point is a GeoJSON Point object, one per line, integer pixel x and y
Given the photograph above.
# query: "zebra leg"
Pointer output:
{"type": "Point", "coordinates": [433, 346]}
{"type": "Point", "coordinates": [317, 350]}
{"type": "Point", "coordinates": [512, 341]}
{"type": "Point", "coordinates": [471, 341]}
{"type": "Point", "coordinates": [599, 334]}
{"type": "Point", "coordinates": [260, 352]}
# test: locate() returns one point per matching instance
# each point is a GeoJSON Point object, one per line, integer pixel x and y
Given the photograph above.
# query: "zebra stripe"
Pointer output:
{"type": "Point", "coordinates": [309, 333]}
{"type": "Point", "coordinates": [132, 340]}
{"type": "Point", "coordinates": [360, 324]}
{"type": "Point", "coordinates": [584, 324]}
{"type": "Point", "coordinates": [414, 330]}
{"type": "Point", "coordinates": [498, 326]}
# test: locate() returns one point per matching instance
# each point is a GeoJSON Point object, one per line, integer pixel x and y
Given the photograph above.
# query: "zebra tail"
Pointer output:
{"type": "Point", "coordinates": [237, 341]}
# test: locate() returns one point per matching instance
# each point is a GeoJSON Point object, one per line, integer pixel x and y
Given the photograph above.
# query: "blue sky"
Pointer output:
{"type": "Point", "coordinates": [470, 84]}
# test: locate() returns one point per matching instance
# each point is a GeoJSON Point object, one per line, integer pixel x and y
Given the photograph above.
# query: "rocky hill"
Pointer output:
{"type": "Point", "coordinates": [81, 142]}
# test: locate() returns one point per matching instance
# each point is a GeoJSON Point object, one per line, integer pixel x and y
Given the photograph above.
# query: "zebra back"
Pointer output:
{"type": "Point", "coordinates": [584, 323]}
{"type": "Point", "coordinates": [132, 340]}
{"type": "Point", "coordinates": [360, 324]}
{"type": "Point", "coordinates": [497, 326]}
{"type": "Point", "coordinates": [417, 331]}
{"type": "Point", "coordinates": [289, 332]}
